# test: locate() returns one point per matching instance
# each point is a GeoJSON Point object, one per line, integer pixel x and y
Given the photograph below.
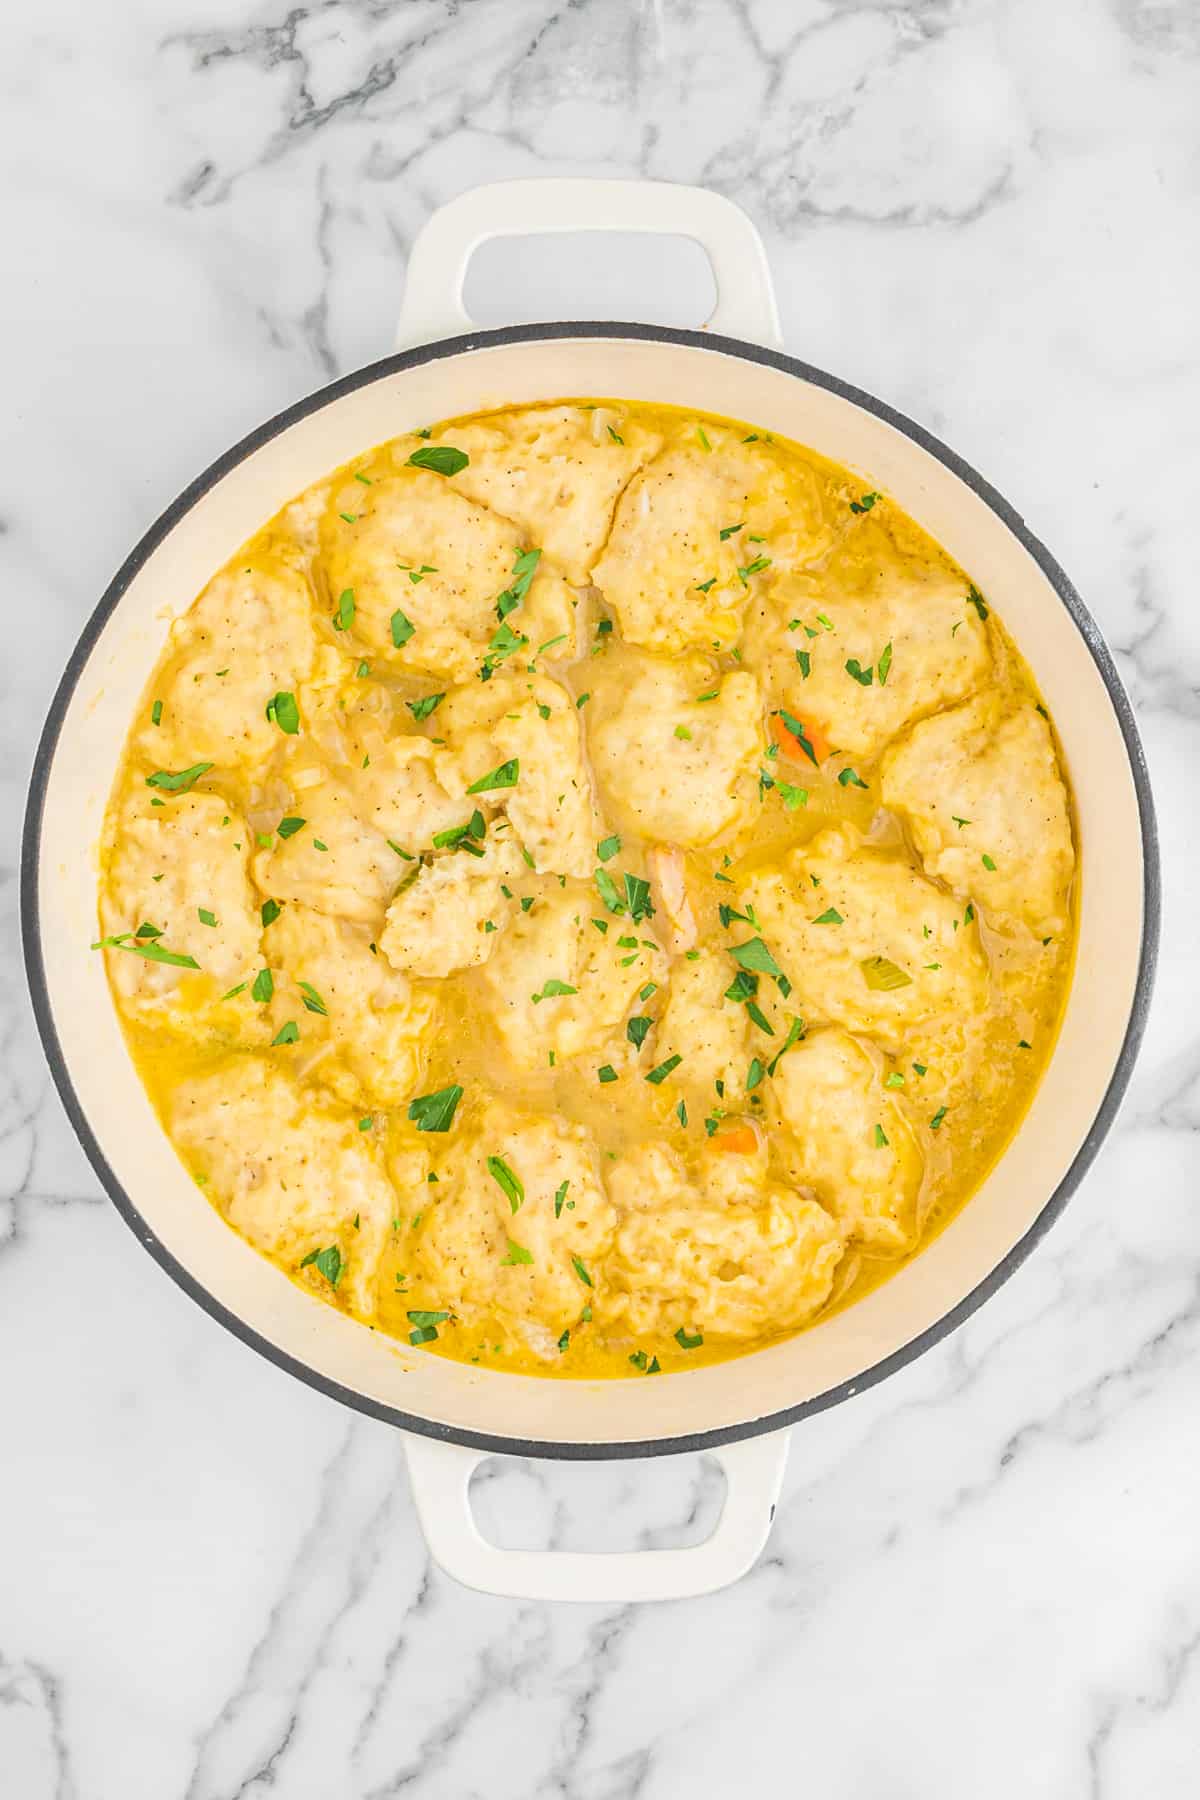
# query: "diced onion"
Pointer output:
{"type": "Point", "coordinates": [882, 976]}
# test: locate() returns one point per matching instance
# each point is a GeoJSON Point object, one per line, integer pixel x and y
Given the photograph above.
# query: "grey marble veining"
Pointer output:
{"type": "Point", "coordinates": [985, 1576]}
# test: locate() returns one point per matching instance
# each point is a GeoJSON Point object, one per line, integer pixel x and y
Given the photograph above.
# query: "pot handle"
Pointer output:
{"type": "Point", "coordinates": [437, 263]}
{"type": "Point", "coordinates": [440, 1474]}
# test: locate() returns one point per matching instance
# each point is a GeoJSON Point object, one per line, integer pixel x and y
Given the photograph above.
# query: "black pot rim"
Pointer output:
{"type": "Point", "coordinates": [431, 353]}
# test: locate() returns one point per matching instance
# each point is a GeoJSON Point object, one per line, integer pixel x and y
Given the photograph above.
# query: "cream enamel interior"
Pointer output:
{"type": "Point", "coordinates": [488, 1403]}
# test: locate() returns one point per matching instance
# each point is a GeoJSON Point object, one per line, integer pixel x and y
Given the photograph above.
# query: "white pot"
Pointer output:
{"type": "Point", "coordinates": [455, 1413]}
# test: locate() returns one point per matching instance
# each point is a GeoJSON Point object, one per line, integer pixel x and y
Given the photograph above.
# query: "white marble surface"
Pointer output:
{"type": "Point", "coordinates": [985, 1575]}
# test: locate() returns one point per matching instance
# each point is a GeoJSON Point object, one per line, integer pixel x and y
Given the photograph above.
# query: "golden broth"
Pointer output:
{"type": "Point", "coordinates": [955, 1084]}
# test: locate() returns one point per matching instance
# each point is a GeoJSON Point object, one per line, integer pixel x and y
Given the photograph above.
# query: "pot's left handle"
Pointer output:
{"type": "Point", "coordinates": [441, 1473]}
{"type": "Point", "coordinates": [437, 263]}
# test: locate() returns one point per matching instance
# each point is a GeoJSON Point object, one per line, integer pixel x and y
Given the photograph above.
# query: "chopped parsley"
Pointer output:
{"type": "Point", "coordinates": [458, 837]}
{"type": "Point", "coordinates": [805, 661]}
{"type": "Point", "coordinates": [514, 1255]}
{"type": "Point", "coordinates": [435, 1112]}
{"type": "Point", "coordinates": [553, 988]}
{"type": "Point", "coordinates": [976, 599]}
{"type": "Point", "coordinates": [287, 1034]}
{"type": "Point", "coordinates": [753, 954]}
{"type": "Point", "coordinates": [638, 1028]}
{"type": "Point", "coordinates": [880, 1138]}
{"type": "Point", "coordinates": [936, 1122]}
{"type": "Point", "coordinates": [442, 459]}
{"type": "Point", "coordinates": [505, 776]}
{"type": "Point", "coordinates": [864, 503]}
{"type": "Point", "coordinates": [180, 783]}
{"type": "Point", "coordinates": [156, 713]}
{"type": "Point", "coordinates": [560, 1194]}
{"type": "Point", "coordinates": [864, 677]}
{"type": "Point", "coordinates": [312, 1000]}
{"type": "Point", "coordinates": [658, 1075]}
{"type": "Point", "coordinates": [343, 617]}
{"type": "Point", "coordinates": [402, 628]}
{"type": "Point", "coordinates": [831, 916]}
{"type": "Point", "coordinates": [421, 709]}
{"type": "Point", "coordinates": [507, 1181]}
{"type": "Point", "coordinates": [848, 778]}
{"type": "Point", "coordinates": [289, 827]}
{"type": "Point", "coordinates": [264, 987]}
{"type": "Point", "coordinates": [206, 917]}
{"type": "Point", "coordinates": [328, 1262]}
{"type": "Point", "coordinates": [606, 1073]}
{"type": "Point", "coordinates": [792, 797]}
{"type": "Point", "coordinates": [283, 711]}
{"type": "Point", "coordinates": [884, 664]}
{"type": "Point", "coordinates": [795, 1033]}
{"type": "Point", "coordinates": [269, 912]}
{"type": "Point", "coordinates": [688, 1342]}
{"type": "Point", "coordinates": [728, 531]}
{"type": "Point", "coordinates": [989, 864]}
{"type": "Point", "coordinates": [608, 847]}
{"type": "Point", "coordinates": [580, 1268]}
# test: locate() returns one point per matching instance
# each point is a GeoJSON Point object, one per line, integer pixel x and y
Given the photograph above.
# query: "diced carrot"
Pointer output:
{"type": "Point", "coordinates": [790, 744]}
{"type": "Point", "coordinates": [741, 1138]}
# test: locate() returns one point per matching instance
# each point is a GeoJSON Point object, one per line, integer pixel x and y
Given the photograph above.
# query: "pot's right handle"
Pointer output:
{"type": "Point", "coordinates": [440, 1474]}
{"type": "Point", "coordinates": [437, 263]}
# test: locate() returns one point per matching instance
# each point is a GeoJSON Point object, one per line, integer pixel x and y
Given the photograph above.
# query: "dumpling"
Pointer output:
{"type": "Point", "coordinates": [865, 940]}
{"type": "Point", "coordinates": [980, 789]}
{"type": "Point", "coordinates": [449, 917]}
{"type": "Point", "coordinates": [426, 567]}
{"type": "Point", "coordinates": [324, 856]}
{"type": "Point", "coordinates": [850, 1140]}
{"type": "Point", "coordinates": [555, 471]}
{"type": "Point", "coordinates": [331, 985]}
{"type": "Point", "coordinates": [293, 1175]}
{"type": "Point", "coordinates": [182, 869]}
{"type": "Point", "coordinates": [553, 947]}
{"type": "Point", "coordinates": [709, 1033]}
{"type": "Point", "coordinates": [249, 636]}
{"type": "Point", "coordinates": [731, 1271]}
{"type": "Point", "coordinates": [914, 642]}
{"type": "Point", "coordinates": [696, 529]}
{"type": "Point", "coordinates": [531, 722]}
{"type": "Point", "coordinates": [525, 1250]}
{"type": "Point", "coordinates": [412, 790]}
{"type": "Point", "coordinates": [675, 766]}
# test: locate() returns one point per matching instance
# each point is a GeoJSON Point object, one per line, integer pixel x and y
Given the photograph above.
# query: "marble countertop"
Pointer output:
{"type": "Point", "coordinates": [984, 1578]}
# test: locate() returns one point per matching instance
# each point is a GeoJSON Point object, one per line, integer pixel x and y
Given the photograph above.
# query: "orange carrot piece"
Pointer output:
{"type": "Point", "coordinates": [741, 1138]}
{"type": "Point", "coordinates": [790, 744]}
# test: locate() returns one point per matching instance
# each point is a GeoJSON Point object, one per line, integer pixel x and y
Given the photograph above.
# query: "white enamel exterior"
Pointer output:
{"type": "Point", "coordinates": [481, 1405]}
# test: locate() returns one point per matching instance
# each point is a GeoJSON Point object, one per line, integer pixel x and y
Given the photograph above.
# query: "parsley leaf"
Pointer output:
{"type": "Point", "coordinates": [180, 783]}
{"type": "Point", "coordinates": [505, 776]}
{"type": "Point", "coordinates": [753, 954]}
{"type": "Point", "coordinates": [283, 711]}
{"type": "Point", "coordinates": [402, 628]}
{"type": "Point", "coordinates": [421, 709]}
{"type": "Point", "coordinates": [443, 459]}
{"type": "Point", "coordinates": [507, 1181]}
{"type": "Point", "coordinates": [328, 1263]}
{"type": "Point", "coordinates": [435, 1112]}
